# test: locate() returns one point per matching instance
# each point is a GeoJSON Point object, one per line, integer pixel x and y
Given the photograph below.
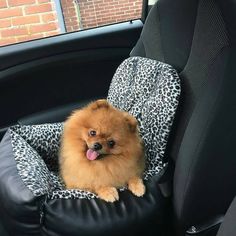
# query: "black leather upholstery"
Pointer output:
{"type": "Point", "coordinates": [200, 43]}
{"type": "Point", "coordinates": [21, 216]}
{"type": "Point", "coordinates": [129, 216]}
{"type": "Point", "coordinates": [20, 209]}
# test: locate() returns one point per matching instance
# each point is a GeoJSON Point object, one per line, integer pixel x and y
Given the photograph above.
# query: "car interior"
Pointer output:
{"type": "Point", "coordinates": [42, 81]}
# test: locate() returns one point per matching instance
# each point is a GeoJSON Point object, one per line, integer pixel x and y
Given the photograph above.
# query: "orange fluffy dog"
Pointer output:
{"type": "Point", "coordinates": [101, 151]}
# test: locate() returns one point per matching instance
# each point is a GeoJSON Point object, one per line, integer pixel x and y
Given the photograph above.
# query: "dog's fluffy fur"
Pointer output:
{"type": "Point", "coordinates": [119, 161]}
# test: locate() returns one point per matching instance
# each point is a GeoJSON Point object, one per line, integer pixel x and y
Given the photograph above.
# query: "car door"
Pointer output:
{"type": "Point", "coordinates": [44, 79]}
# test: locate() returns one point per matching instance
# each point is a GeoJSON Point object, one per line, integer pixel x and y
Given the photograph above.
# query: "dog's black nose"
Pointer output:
{"type": "Point", "coordinates": [97, 146]}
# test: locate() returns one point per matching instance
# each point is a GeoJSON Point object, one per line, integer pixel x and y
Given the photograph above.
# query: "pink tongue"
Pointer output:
{"type": "Point", "coordinates": [91, 154]}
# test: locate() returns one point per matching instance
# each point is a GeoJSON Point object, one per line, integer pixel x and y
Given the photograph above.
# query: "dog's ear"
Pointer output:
{"type": "Point", "coordinates": [101, 103]}
{"type": "Point", "coordinates": [131, 121]}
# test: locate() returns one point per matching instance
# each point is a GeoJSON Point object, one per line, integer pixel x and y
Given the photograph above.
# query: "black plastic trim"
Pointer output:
{"type": "Point", "coordinates": [102, 37]}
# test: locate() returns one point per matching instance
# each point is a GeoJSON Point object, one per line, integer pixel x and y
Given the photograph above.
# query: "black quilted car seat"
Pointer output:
{"type": "Point", "coordinates": [197, 37]}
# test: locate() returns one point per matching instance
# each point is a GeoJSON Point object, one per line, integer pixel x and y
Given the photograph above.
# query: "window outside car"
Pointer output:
{"type": "Point", "coordinates": [25, 20]}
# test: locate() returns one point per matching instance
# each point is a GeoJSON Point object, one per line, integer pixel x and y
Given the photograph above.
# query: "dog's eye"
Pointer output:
{"type": "Point", "coordinates": [92, 133]}
{"type": "Point", "coordinates": [111, 143]}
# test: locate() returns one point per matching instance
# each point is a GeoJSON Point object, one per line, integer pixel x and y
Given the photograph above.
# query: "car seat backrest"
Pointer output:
{"type": "Point", "coordinates": [197, 38]}
{"type": "Point", "coordinates": [168, 31]}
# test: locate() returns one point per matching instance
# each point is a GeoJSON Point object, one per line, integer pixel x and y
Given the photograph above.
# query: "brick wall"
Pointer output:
{"type": "Point", "coordinates": [101, 12]}
{"type": "Point", "coordinates": [70, 13]}
{"type": "Point", "coordinates": [23, 20]}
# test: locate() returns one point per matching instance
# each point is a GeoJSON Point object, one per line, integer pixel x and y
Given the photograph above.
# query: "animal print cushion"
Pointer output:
{"type": "Point", "coordinates": [147, 89]}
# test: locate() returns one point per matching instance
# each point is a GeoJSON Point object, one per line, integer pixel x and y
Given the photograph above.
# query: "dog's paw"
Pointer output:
{"type": "Point", "coordinates": [136, 186]}
{"type": "Point", "coordinates": [108, 194]}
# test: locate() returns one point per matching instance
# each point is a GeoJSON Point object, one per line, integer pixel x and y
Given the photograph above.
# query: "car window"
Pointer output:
{"type": "Point", "coordinates": [24, 20]}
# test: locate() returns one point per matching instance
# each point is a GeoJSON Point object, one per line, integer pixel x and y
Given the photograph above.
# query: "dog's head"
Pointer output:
{"type": "Point", "coordinates": [106, 130]}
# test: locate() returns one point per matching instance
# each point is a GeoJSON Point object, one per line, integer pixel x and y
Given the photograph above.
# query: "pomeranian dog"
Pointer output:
{"type": "Point", "coordinates": [101, 150]}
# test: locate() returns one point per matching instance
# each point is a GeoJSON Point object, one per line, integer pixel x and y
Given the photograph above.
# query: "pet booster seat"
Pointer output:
{"type": "Point", "coordinates": [34, 200]}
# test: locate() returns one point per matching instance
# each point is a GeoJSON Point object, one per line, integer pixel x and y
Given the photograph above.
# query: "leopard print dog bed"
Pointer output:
{"type": "Point", "coordinates": [147, 89]}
